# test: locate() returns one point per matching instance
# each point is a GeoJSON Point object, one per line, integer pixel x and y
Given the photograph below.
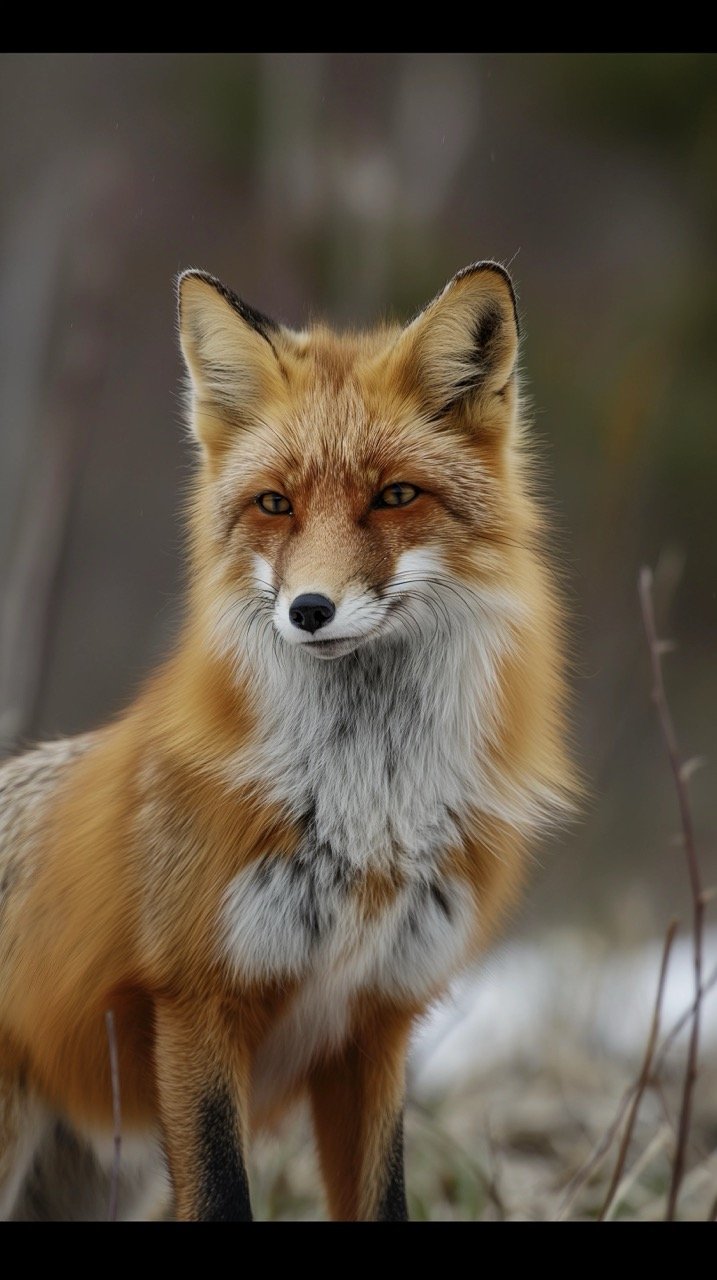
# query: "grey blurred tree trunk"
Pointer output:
{"type": "Point", "coordinates": [66, 250]}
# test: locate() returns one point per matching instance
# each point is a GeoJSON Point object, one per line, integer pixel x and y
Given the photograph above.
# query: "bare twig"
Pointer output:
{"type": "Point", "coordinates": [682, 1021]}
{"type": "Point", "coordinates": [680, 775]}
{"type": "Point", "coordinates": [495, 1182]}
{"type": "Point", "coordinates": [116, 1113]}
{"type": "Point", "coordinates": [659, 1141]}
{"type": "Point", "coordinates": [652, 1061]}
{"type": "Point", "coordinates": [596, 1157]}
{"type": "Point", "coordinates": [643, 1078]}
{"type": "Point", "coordinates": [600, 1151]}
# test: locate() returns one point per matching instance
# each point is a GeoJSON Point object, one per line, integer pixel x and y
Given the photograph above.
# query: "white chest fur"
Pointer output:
{"type": "Point", "coordinates": [379, 757]}
{"type": "Point", "coordinates": [375, 755]}
{"type": "Point", "coordinates": [291, 918]}
{"type": "Point", "coordinates": [303, 918]}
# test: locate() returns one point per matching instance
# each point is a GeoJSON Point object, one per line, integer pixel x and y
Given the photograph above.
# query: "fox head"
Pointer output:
{"type": "Point", "coordinates": [358, 486]}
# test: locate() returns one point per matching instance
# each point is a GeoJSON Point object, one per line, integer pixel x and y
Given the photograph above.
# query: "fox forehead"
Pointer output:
{"type": "Point", "coordinates": [348, 442]}
{"type": "Point", "coordinates": [343, 415]}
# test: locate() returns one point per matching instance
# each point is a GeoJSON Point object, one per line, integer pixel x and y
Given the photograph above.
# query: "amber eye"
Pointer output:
{"type": "Point", "coordinates": [275, 504]}
{"type": "Point", "coordinates": [396, 495]}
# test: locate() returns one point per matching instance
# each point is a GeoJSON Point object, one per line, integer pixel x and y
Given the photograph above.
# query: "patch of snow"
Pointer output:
{"type": "Point", "coordinates": [555, 990]}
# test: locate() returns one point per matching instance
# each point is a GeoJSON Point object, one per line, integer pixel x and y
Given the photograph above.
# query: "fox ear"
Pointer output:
{"type": "Point", "coordinates": [465, 342]}
{"type": "Point", "coordinates": [229, 351]}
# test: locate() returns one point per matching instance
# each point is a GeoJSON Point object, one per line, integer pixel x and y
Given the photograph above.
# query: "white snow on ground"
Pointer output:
{"type": "Point", "coordinates": [557, 987]}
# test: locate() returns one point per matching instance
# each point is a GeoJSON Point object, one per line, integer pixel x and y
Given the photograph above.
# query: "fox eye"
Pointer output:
{"type": "Point", "coordinates": [396, 495]}
{"type": "Point", "coordinates": [275, 504]}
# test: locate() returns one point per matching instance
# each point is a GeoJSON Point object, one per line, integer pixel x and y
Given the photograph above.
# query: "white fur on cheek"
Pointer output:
{"type": "Point", "coordinates": [263, 573]}
{"type": "Point", "coordinates": [231, 609]}
{"type": "Point", "coordinates": [226, 626]}
{"type": "Point", "coordinates": [419, 562]}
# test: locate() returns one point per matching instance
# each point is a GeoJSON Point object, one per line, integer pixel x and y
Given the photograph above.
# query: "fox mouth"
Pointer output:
{"type": "Point", "coordinates": [335, 648]}
{"type": "Point", "coordinates": [340, 646]}
{"type": "Point", "coordinates": [346, 644]}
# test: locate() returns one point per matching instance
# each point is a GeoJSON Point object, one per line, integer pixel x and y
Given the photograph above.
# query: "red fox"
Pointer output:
{"type": "Point", "coordinates": [318, 809]}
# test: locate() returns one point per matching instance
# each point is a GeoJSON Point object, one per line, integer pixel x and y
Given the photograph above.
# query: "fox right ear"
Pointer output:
{"type": "Point", "coordinates": [462, 347]}
{"type": "Point", "coordinates": [229, 351]}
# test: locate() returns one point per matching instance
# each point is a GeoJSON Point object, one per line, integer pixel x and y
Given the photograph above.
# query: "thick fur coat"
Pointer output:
{"type": "Point", "coordinates": [318, 809]}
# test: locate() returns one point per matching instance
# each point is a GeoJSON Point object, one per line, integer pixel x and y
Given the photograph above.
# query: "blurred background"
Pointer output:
{"type": "Point", "coordinates": [348, 187]}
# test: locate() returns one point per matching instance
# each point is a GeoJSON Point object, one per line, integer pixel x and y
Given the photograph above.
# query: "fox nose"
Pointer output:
{"type": "Point", "coordinates": [310, 612]}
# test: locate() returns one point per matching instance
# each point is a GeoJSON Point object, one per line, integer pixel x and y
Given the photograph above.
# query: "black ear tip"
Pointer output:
{"type": "Point", "coordinates": [256, 320]}
{"type": "Point", "coordinates": [488, 264]}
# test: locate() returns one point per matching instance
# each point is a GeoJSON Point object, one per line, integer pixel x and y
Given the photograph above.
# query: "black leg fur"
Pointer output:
{"type": "Point", "coordinates": [224, 1188]}
{"type": "Point", "coordinates": [392, 1206]}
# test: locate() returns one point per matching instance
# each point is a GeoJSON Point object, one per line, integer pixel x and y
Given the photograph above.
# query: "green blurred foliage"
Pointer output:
{"type": "Point", "coordinates": [665, 100]}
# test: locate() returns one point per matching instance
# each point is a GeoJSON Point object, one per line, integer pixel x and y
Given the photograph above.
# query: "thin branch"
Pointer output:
{"type": "Point", "coordinates": [682, 1021]}
{"type": "Point", "coordinates": [495, 1182]}
{"type": "Point", "coordinates": [643, 1162]}
{"type": "Point", "coordinates": [596, 1157]}
{"type": "Point", "coordinates": [600, 1151]}
{"type": "Point", "coordinates": [679, 774]}
{"type": "Point", "coordinates": [116, 1113]}
{"type": "Point", "coordinates": [644, 1077]}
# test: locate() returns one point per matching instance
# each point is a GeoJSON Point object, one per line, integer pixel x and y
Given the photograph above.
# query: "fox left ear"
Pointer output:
{"type": "Point", "coordinates": [230, 353]}
{"type": "Point", "coordinates": [465, 342]}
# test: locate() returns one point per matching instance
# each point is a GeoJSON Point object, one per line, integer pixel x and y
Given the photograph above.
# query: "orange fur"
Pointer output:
{"type": "Point", "coordinates": [122, 858]}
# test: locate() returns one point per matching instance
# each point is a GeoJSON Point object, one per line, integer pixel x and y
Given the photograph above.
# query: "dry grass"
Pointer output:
{"type": "Point", "coordinates": [509, 1145]}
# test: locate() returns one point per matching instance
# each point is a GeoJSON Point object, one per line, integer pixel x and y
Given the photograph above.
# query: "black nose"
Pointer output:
{"type": "Point", "coordinates": [310, 612]}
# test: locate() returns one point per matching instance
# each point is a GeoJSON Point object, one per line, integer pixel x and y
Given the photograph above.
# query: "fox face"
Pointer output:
{"type": "Point", "coordinates": [355, 486]}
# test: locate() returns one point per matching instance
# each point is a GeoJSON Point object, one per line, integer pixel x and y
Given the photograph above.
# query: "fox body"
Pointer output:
{"type": "Point", "coordinates": [317, 810]}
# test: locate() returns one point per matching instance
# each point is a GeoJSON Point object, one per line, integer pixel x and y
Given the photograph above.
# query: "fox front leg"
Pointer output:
{"type": "Point", "coordinates": [202, 1077]}
{"type": "Point", "coordinates": [357, 1103]}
